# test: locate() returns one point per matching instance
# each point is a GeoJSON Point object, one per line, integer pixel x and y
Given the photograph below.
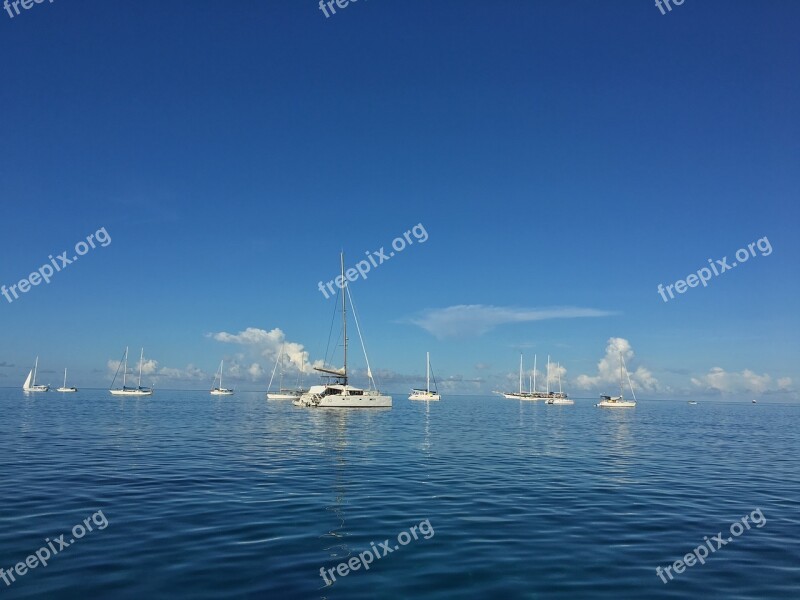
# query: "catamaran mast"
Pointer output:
{"type": "Point", "coordinates": [344, 319]}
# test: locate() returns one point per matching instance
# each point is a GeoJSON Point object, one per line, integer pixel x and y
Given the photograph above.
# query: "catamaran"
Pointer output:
{"type": "Point", "coordinates": [426, 394]}
{"type": "Point", "coordinates": [64, 387]}
{"type": "Point", "coordinates": [619, 401]}
{"type": "Point", "coordinates": [30, 381]}
{"type": "Point", "coordinates": [558, 397]}
{"type": "Point", "coordinates": [285, 393]}
{"type": "Point", "coordinates": [130, 391]}
{"type": "Point", "coordinates": [335, 392]}
{"type": "Point", "coordinates": [219, 391]}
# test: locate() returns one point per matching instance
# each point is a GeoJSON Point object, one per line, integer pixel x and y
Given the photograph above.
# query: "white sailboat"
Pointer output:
{"type": "Point", "coordinates": [336, 393]}
{"type": "Point", "coordinates": [130, 391]}
{"type": "Point", "coordinates": [619, 401]}
{"type": "Point", "coordinates": [522, 394]}
{"type": "Point", "coordinates": [285, 393]}
{"type": "Point", "coordinates": [560, 397]}
{"type": "Point", "coordinates": [426, 394]}
{"type": "Point", "coordinates": [64, 388]}
{"type": "Point", "coordinates": [30, 381]}
{"type": "Point", "coordinates": [220, 391]}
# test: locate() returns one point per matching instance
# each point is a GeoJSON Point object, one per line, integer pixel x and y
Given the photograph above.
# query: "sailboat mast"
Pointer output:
{"type": "Point", "coordinates": [558, 368]}
{"type": "Point", "coordinates": [65, 378]}
{"type": "Point", "coordinates": [620, 374]}
{"type": "Point", "coordinates": [534, 373]}
{"type": "Point", "coordinates": [520, 372]}
{"type": "Point", "coordinates": [141, 360]}
{"type": "Point", "coordinates": [548, 375]}
{"type": "Point", "coordinates": [220, 373]}
{"type": "Point", "coordinates": [35, 368]}
{"type": "Point", "coordinates": [428, 371]}
{"type": "Point", "coordinates": [125, 372]}
{"type": "Point", "coordinates": [344, 318]}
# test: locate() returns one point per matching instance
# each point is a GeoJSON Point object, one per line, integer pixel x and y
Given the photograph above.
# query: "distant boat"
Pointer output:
{"type": "Point", "coordinates": [754, 400]}
{"type": "Point", "coordinates": [284, 393]}
{"type": "Point", "coordinates": [30, 381]}
{"type": "Point", "coordinates": [336, 393]}
{"type": "Point", "coordinates": [64, 387]}
{"type": "Point", "coordinates": [619, 401]}
{"type": "Point", "coordinates": [522, 394]}
{"type": "Point", "coordinates": [426, 394]}
{"type": "Point", "coordinates": [692, 401]}
{"type": "Point", "coordinates": [220, 391]}
{"type": "Point", "coordinates": [130, 391]}
{"type": "Point", "coordinates": [558, 397]}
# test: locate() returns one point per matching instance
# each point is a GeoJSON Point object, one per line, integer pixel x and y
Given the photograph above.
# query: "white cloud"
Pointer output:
{"type": "Point", "coordinates": [262, 344]}
{"type": "Point", "coordinates": [476, 319]}
{"type": "Point", "coordinates": [608, 369]}
{"type": "Point", "coordinates": [721, 381]}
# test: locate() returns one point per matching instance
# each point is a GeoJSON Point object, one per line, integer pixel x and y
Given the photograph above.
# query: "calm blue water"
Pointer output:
{"type": "Point", "coordinates": [244, 498]}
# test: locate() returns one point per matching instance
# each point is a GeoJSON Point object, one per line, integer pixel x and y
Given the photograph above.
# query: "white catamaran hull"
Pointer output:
{"type": "Point", "coordinates": [344, 401]}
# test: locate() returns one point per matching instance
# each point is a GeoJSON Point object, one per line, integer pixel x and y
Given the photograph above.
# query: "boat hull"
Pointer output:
{"type": "Point", "coordinates": [136, 393]}
{"type": "Point", "coordinates": [346, 401]}
{"type": "Point", "coordinates": [67, 390]}
{"type": "Point", "coordinates": [563, 401]}
{"type": "Point", "coordinates": [424, 397]}
{"type": "Point", "coordinates": [279, 396]}
{"type": "Point", "coordinates": [616, 404]}
{"type": "Point", "coordinates": [37, 388]}
{"type": "Point", "coordinates": [222, 392]}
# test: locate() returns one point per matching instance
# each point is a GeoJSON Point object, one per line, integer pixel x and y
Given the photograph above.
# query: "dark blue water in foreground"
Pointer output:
{"type": "Point", "coordinates": [244, 498]}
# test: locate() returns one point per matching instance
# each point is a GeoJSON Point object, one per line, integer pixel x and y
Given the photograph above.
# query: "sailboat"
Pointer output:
{"type": "Point", "coordinates": [220, 391]}
{"type": "Point", "coordinates": [130, 391]}
{"type": "Point", "coordinates": [426, 394]}
{"type": "Point", "coordinates": [559, 397]}
{"type": "Point", "coordinates": [30, 381]}
{"type": "Point", "coordinates": [64, 387]}
{"type": "Point", "coordinates": [284, 393]}
{"type": "Point", "coordinates": [619, 401]}
{"type": "Point", "coordinates": [335, 392]}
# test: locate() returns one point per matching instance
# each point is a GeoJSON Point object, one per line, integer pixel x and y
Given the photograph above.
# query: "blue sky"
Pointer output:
{"type": "Point", "coordinates": [564, 158]}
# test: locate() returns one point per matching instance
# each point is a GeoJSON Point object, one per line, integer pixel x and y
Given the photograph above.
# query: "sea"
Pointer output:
{"type": "Point", "coordinates": [187, 495]}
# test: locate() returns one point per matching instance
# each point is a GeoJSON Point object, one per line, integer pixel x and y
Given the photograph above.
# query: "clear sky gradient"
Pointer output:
{"type": "Point", "coordinates": [564, 158]}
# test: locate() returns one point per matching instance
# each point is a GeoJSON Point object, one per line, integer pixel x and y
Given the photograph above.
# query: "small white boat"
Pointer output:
{"type": "Point", "coordinates": [692, 401]}
{"type": "Point", "coordinates": [30, 381]}
{"type": "Point", "coordinates": [336, 393]}
{"type": "Point", "coordinates": [285, 393]}
{"type": "Point", "coordinates": [619, 401]}
{"type": "Point", "coordinates": [130, 391]}
{"type": "Point", "coordinates": [754, 400]}
{"type": "Point", "coordinates": [219, 391]}
{"type": "Point", "coordinates": [426, 394]}
{"type": "Point", "coordinates": [64, 388]}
